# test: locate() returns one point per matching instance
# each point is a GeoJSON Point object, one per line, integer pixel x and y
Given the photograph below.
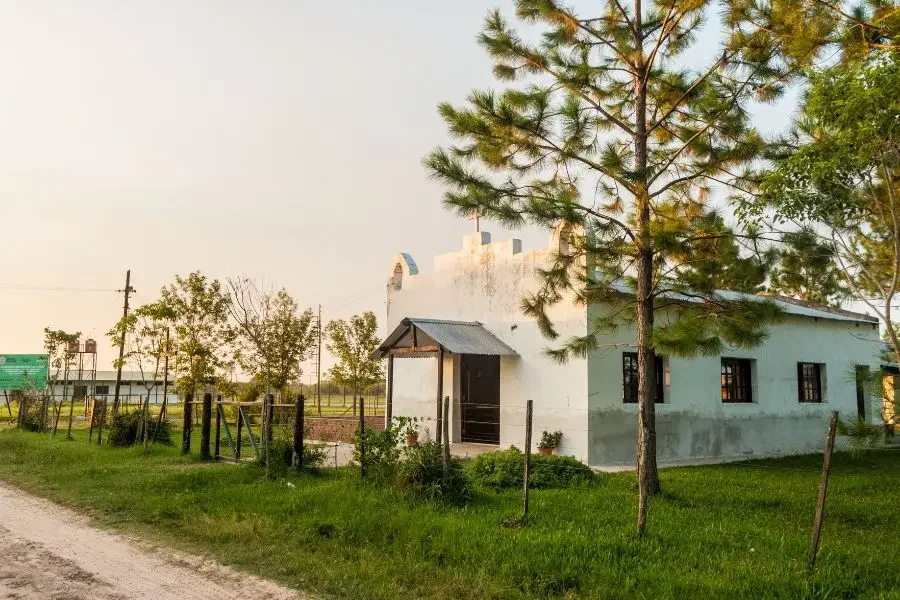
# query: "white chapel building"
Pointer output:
{"type": "Point", "coordinates": [457, 331]}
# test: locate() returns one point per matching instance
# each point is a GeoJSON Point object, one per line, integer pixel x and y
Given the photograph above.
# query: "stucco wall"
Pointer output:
{"type": "Point", "coordinates": [486, 282]}
{"type": "Point", "coordinates": [694, 424]}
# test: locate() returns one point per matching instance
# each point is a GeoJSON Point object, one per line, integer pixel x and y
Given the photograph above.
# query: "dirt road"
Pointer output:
{"type": "Point", "coordinates": [48, 552]}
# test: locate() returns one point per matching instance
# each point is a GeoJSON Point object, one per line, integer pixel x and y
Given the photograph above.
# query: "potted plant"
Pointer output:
{"type": "Point", "coordinates": [409, 429]}
{"type": "Point", "coordinates": [549, 442]}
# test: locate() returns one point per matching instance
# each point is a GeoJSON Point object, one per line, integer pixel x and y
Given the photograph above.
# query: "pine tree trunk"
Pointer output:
{"type": "Point", "coordinates": [648, 476]}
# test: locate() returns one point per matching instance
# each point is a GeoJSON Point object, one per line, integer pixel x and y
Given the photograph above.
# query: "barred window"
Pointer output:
{"type": "Point", "coordinates": [737, 384]}
{"type": "Point", "coordinates": [809, 382]}
{"type": "Point", "coordinates": [630, 378]}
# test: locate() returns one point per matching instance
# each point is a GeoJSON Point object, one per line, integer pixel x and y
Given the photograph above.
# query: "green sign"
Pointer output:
{"type": "Point", "coordinates": [17, 369]}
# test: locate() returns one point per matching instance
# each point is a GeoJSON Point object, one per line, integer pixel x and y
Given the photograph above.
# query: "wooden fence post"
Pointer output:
{"type": "Point", "coordinates": [93, 416]}
{"type": "Point", "coordinates": [529, 405]}
{"type": "Point", "coordinates": [362, 438]}
{"type": "Point", "coordinates": [218, 426]}
{"type": "Point", "coordinates": [186, 424]}
{"type": "Point", "coordinates": [205, 426]}
{"type": "Point", "coordinates": [270, 411]}
{"type": "Point", "coordinates": [101, 422]}
{"type": "Point", "coordinates": [71, 415]}
{"type": "Point", "coordinates": [823, 489]}
{"type": "Point", "coordinates": [23, 407]}
{"type": "Point", "coordinates": [240, 422]}
{"type": "Point", "coordinates": [445, 446]}
{"type": "Point", "coordinates": [299, 406]}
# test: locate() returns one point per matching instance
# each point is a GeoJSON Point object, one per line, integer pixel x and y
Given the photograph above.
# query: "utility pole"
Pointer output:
{"type": "Point", "coordinates": [128, 289]}
{"type": "Point", "coordinates": [319, 366]}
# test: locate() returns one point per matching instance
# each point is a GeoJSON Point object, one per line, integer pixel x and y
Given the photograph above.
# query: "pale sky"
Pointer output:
{"type": "Point", "coordinates": [282, 140]}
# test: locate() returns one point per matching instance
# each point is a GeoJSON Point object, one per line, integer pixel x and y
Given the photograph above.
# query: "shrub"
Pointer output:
{"type": "Point", "coordinates": [503, 470]}
{"type": "Point", "coordinates": [382, 453]}
{"type": "Point", "coordinates": [281, 453]}
{"type": "Point", "coordinates": [862, 435]}
{"type": "Point", "coordinates": [421, 475]}
{"type": "Point", "coordinates": [31, 417]}
{"type": "Point", "coordinates": [550, 440]}
{"type": "Point", "coordinates": [123, 430]}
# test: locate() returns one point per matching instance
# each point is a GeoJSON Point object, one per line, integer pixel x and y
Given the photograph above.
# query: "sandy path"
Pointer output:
{"type": "Point", "coordinates": [49, 552]}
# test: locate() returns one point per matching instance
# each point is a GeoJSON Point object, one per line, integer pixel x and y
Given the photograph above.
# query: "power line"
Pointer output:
{"type": "Point", "coordinates": [52, 288]}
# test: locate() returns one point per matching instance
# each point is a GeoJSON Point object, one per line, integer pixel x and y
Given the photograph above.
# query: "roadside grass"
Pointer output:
{"type": "Point", "coordinates": [728, 531]}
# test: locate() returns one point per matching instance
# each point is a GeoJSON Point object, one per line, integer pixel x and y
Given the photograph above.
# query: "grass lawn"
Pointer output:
{"type": "Point", "coordinates": [718, 532]}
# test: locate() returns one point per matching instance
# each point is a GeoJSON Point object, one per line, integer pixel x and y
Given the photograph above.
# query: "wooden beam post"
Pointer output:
{"type": "Point", "coordinates": [389, 394]}
{"type": "Point", "coordinates": [440, 394]}
{"type": "Point", "coordinates": [529, 407]}
{"type": "Point", "coordinates": [823, 490]}
{"type": "Point", "coordinates": [445, 454]}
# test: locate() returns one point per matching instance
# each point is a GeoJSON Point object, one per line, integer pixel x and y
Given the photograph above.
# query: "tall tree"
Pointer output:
{"type": "Point", "coordinates": [838, 175]}
{"type": "Point", "coordinates": [354, 342]}
{"type": "Point", "coordinates": [807, 269]}
{"type": "Point", "coordinates": [617, 131]}
{"type": "Point", "coordinates": [199, 312]}
{"type": "Point", "coordinates": [274, 336]}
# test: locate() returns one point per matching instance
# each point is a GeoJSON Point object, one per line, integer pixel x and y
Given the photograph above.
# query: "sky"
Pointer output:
{"type": "Point", "coordinates": [279, 140]}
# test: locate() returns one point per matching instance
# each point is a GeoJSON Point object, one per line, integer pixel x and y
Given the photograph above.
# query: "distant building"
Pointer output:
{"type": "Point", "coordinates": [133, 389]}
{"type": "Point", "coordinates": [465, 313]}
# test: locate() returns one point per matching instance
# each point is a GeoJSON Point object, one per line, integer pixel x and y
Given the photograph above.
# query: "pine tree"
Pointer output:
{"type": "Point", "coordinates": [807, 269]}
{"type": "Point", "coordinates": [610, 133]}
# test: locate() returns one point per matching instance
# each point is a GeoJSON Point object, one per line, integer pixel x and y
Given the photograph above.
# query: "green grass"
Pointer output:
{"type": "Point", "coordinates": [717, 532]}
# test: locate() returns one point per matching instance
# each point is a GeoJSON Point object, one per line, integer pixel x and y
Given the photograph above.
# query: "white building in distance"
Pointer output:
{"type": "Point", "coordinates": [458, 331]}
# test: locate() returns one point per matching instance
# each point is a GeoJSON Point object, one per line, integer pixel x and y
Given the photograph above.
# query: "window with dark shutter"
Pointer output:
{"type": "Point", "coordinates": [809, 382]}
{"type": "Point", "coordinates": [630, 378]}
{"type": "Point", "coordinates": [737, 384]}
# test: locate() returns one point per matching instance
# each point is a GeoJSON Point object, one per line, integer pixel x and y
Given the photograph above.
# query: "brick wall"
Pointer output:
{"type": "Point", "coordinates": [337, 429]}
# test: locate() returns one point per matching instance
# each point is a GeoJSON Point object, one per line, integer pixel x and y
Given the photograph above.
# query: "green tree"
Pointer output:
{"type": "Point", "coordinates": [838, 175]}
{"type": "Point", "coordinates": [60, 359]}
{"type": "Point", "coordinates": [810, 31]}
{"type": "Point", "coordinates": [148, 343]}
{"type": "Point", "coordinates": [806, 269]}
{"type": "Point", "coordinates": [273, 335]}
{"type": "Point", "coordinates": [613, 132]}
{"type": "Point", "coordinates": [198, 308]}
{"type": "Point", "coordinates": [353, 342]}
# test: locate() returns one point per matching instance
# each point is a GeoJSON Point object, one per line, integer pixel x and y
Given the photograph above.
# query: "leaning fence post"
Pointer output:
{"type": "Point", "coordinates": [101, 422]}
{"type": "Point", "coordinates": [528, 413]}
{"type": "Point", "coordinates": [445, 446]}
{"type": "Point", "coordinates": [240, 421]}
{"type": "Point", "coordinates": [186, 424]}
{"type": "Point", "coordinates": [218, 425]}
{"type": "Point", "coordinates": [299, 406]}
{"type": "Point", "coordinates": [362, 438]}
{"type": "Point", "coordinates": [823, 489]}
{"type": "Point", "coordinates": [205, 426]}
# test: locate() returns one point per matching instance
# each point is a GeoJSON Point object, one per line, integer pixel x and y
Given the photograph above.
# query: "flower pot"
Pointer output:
{"type": "Point", "coordinates": [412, 440]}
{"type": "Point", "coordinates": [546, 451]}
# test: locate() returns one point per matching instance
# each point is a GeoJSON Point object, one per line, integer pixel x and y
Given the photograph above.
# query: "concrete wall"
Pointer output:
{"type": "Point", "coordinates": [694, 424]}
{"type": "Point", "coordinates": [486, 282]}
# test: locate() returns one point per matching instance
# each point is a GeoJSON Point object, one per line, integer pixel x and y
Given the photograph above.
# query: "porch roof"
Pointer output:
{"type": "Point", "coordinates": [423, 337]}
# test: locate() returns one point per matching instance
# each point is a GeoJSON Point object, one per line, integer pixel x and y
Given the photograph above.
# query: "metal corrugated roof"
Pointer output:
{"type": "Point", "coordinates": [460, 337]}
{"type": "Point", "coordinates": [787, 305]}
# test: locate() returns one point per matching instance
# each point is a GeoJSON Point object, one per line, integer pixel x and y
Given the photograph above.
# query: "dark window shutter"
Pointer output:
{"type": "Point", "coordinates": [800, 395]}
